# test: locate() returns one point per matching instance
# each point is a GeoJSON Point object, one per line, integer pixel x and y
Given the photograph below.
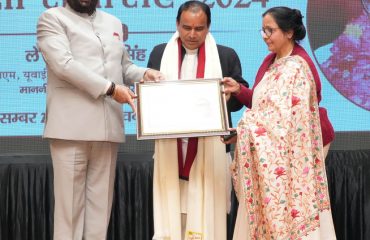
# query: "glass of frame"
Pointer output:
{"type": "Point", "coordinates": [181, 108]}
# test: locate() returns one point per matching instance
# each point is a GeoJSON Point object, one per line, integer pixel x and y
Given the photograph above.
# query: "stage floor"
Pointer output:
{"type": "Point", "coordinates": [26, 196]}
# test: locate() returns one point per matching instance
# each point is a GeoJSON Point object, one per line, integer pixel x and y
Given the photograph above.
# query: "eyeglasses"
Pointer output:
{"type": "Point", "coordinates": [267, 31]}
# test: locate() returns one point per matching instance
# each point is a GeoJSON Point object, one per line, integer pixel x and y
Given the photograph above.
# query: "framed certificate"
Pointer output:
{"type": "Point", "coordinates": [181, 108]}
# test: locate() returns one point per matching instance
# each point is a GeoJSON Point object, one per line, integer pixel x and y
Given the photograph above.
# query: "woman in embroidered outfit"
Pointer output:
{"type": "Point", "coordinates": [279, 169]}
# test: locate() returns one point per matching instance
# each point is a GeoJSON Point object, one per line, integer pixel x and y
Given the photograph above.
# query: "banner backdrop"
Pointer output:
{"type": "Point", "coordinates": [338, 40]}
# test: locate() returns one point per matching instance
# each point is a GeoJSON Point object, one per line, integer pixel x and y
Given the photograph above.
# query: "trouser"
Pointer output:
{"type": "Point", "coordinates": [83, 188]}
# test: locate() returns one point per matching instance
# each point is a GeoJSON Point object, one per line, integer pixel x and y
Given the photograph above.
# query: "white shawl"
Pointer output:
{"type": "Point", "coordinates": [207, 194]}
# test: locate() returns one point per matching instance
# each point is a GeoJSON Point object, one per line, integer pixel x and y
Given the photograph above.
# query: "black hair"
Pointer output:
{"type": "Point", "coordinates": [76, 5]}
{"type": "Point", "coordinates": [194, 5]}
{"type": "Point", "coordinates": [288, 19]}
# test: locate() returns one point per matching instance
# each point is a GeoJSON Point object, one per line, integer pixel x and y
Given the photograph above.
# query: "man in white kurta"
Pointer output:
{"type": "Point", "coordinates": [190, 186]}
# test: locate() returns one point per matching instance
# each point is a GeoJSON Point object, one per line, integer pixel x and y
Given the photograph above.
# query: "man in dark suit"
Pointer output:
{"type": "Point", "coordinates": [191, 175]}
{"type": "Point", "coordinates": [230, 65]}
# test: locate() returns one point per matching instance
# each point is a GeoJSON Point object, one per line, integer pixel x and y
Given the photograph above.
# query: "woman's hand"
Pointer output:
{"type": "Point", "coordinates": [230, 85]}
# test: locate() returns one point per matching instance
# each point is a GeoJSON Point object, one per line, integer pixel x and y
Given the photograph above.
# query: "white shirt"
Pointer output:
{"type": "Point", "coordinates": [188, 71]}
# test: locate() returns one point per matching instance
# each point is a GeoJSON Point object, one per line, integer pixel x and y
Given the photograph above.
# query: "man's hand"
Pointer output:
{"type": "Point", "coordinates": [123, 94]}
{"type": "Point", "coordinates": [230, 139]}
{"type": "Point", "coordinates": [152, 75]}
{"type": "Point", "coordinates": [227, 96]}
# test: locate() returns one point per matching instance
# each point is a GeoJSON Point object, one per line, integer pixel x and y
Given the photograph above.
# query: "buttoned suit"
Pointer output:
{"type": "Point", "coordinates": [83, 54]}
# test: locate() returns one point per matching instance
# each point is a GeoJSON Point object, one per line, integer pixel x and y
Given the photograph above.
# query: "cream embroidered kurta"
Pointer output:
{"type": "Point", "coordinates": [279, 171]}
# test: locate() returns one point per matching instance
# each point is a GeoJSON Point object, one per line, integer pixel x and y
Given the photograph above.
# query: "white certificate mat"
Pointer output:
{"type": "Point", "coordinates": [181, 108]}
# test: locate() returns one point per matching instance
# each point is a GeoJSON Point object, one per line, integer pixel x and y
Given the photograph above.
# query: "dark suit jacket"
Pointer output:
{"type": "Point", "coordinates": [230, 65]}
